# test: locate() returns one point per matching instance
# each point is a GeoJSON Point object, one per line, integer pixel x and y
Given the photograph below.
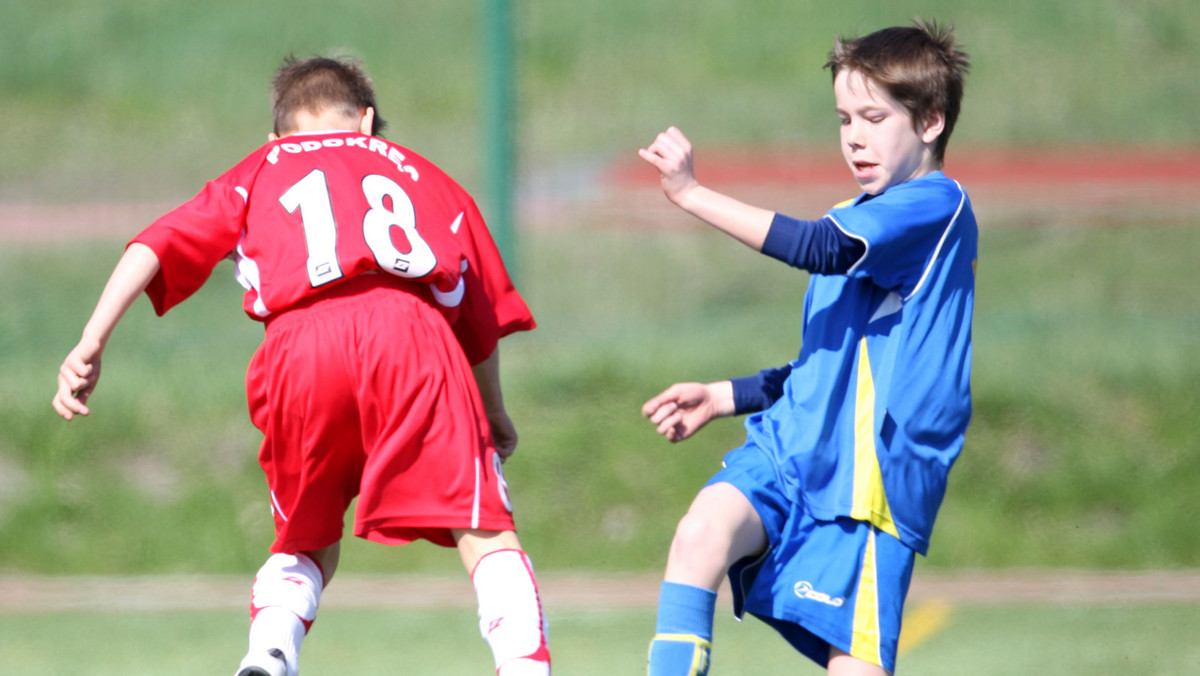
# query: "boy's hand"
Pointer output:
{"type": "Point", "coordinates": [683, 408]}
{"type": "Point", "coordinates": [77, 378]}
{"type": "Point", "coordinates": [504, 433]}
{"type": "Point", "coordinates": [81, 369]}
{"type": "Point", "coordinates": [671, 154]}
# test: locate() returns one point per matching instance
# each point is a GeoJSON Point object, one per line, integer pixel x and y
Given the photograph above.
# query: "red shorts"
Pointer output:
{"type": "Point", "coordinates": [365, 392]}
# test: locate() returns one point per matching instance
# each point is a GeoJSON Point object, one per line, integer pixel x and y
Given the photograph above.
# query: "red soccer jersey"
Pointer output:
{"type": "Point", "coordinates": [305, 212]}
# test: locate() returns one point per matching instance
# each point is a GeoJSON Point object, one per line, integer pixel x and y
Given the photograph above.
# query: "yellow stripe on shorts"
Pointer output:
{"type": "Point", "coordinates": [864, 644]}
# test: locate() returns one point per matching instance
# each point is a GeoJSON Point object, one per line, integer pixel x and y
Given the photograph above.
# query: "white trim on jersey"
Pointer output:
{"type": "Point", "coordinates": [962, 200]}
{"type": "Point", "coordinates": [866, 244]}
{"type": "Point", "coordinates": [246, 273]}
{"type": "Point", "coordinates": [450, 298]}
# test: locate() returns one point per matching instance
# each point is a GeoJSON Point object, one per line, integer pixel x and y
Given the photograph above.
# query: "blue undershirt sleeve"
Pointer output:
{"type": "Point", "coordinates": [816, 246]}
{"type": "Point", "coordinates": [757, 392]}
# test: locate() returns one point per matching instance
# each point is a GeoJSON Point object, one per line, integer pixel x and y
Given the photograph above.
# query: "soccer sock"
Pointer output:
{"type": "Point", "coordinates": [277, 628]}
{"type": "Point", "coordinates": [683, 634]}
{"type": "Point", "coordinates": [510, 613]}
{"type": "Point", "coordinates": [283, 605]}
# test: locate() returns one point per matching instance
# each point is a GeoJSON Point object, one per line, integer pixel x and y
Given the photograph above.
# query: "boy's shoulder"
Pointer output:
{"type": "Point", "coordinates": [922, 207]}
{"type": "Point", "coordinates": [934, 191]}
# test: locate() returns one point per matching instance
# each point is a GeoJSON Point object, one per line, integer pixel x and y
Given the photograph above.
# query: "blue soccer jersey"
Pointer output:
{"type": "Point", "coordinates": [874, 410]}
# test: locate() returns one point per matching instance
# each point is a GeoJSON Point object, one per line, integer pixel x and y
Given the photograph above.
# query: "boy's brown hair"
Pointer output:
{"type": "Point", "coordinates": [317, 83]}
{"type": "Point", "coordinates": [920, 66]}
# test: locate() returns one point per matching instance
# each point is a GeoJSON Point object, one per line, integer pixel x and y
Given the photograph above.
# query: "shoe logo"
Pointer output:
{"type": "Point", "coordinates": [805, 591]}
{"type": "Point", "coordinates": [494, 624]}
{"type": "Point", "coordinates": [298, 581]}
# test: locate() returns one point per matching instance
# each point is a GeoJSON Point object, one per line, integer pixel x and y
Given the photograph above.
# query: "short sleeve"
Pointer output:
{"type": "Point", "coordinates": [191, 239]}
{"type": "Point", "coordinates": [491, 307]}
{"type": "Point", "coordinates": [903, 229]}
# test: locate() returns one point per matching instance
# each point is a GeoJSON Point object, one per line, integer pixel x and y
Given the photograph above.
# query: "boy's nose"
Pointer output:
{"type": "Point", "coordinates": [853, 136]}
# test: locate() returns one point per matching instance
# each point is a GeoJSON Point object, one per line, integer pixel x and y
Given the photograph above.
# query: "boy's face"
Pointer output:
{"type": "Point", "coordinates": [879, 140]}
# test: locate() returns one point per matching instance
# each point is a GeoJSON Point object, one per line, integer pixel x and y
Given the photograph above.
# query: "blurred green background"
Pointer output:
{"type": "Point", "coordinates": [1083, 451]}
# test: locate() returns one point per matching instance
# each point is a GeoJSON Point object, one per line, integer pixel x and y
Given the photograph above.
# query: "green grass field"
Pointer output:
{"type": "Point", "coordinates": [995, 641]}
{"type": "Point", "coordinates": [1083, 451]}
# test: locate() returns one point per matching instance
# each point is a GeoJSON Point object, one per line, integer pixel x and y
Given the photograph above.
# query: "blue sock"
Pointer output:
{"type": "Point", "coordinates": [683, 634]}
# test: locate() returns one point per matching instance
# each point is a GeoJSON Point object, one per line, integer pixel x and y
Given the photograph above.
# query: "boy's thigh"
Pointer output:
{"type": "Point", "coordinates": [302, 397]}
{"type": "Point", "coordinates": [370, 396]}
{"type": "Point", "coordinates": [431, 465]}
{"type": "Point", "coordinates": [753, 473]}
{"type": "Point", "coordinates": [721, 526]}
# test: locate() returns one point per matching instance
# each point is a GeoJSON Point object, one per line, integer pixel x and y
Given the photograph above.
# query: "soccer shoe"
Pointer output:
{"type": "Point", "coordinates": [270, 663]}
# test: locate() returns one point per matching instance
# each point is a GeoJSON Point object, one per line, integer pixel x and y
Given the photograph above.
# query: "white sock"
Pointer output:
{"type": "Point", "coordinates": [510, 614]}
{"type": "Point", "coordinates": [283, 605]}
{"type": "Point", "coordinates": [280, 628]}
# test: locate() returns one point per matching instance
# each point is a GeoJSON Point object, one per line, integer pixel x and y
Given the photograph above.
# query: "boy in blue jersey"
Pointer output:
{"type": "Point", "coordinates": [818, 517]}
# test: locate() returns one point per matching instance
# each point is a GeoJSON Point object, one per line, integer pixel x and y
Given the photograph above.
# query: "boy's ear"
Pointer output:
{"type": "Point", "coordinates": [935, 124]}
{"type": "Point", "coordinates": [367, 123]}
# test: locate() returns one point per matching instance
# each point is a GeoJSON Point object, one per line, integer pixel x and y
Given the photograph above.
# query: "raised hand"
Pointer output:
{"type": "Point", "coordinates": [671, 154]}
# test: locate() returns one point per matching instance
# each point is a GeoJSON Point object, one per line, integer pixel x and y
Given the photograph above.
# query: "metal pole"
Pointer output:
{"type": "Point", "coordinates": [499, 125]}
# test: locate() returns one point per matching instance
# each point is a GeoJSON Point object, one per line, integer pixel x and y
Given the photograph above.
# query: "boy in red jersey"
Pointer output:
{"type": "Point", "coordinates": [383, 298]}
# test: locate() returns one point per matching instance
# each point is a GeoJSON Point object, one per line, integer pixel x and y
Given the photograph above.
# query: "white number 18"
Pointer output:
{"type": "Point", "coordinates": [311, 195]}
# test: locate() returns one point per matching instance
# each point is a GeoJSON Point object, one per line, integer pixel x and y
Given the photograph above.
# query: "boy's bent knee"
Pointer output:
{"type": "Point", "coordinates": [699, 553]}
{"type": "Point", "coordinates": [710, 537]}
{"type": "Point", "coordinates": [699, 537]}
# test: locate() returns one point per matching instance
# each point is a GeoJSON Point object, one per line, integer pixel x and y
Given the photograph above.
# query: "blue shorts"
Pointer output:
{"type": "Point", "coordinates": [836, 583]}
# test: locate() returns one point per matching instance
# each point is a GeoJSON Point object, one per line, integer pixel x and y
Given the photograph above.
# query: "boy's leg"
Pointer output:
{"type": "Point", "coordinates": [720, 528]}
{"type": "Point", "coordinates": [283, 605]}
{"type": "Point", "coordinates": [510, 607]}
{"type": "Point", "coordinates": [841, 664]}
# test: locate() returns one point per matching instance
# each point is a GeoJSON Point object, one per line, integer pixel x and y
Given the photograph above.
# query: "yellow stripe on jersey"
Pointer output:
{"type": "Point", "coordinates": [870, 501]}
{"type": "Point", "coordinates": [864, 643]}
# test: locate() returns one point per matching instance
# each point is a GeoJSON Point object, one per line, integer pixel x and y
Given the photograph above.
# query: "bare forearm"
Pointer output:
{"type": "Point", "coordinates": [80, 371]}
{"type": "Point", "coordinates": [129, 279]}
{"type": "Point", "coordinates": [487, 378]}
{"type": "Point", "coordinates": [671, 154]}
{"type": "Point", "coordinates": [746, 223]}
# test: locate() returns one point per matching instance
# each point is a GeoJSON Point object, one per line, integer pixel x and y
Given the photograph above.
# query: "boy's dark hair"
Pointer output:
{"type": "Point", "coordinates": [317, 83]}
{"type": "Point", "coordinates": [920, 66]}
